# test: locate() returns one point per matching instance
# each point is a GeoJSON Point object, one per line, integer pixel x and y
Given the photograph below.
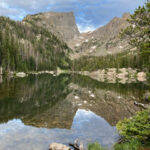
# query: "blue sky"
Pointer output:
{"type": "Point", "coordinates": [89, 14]}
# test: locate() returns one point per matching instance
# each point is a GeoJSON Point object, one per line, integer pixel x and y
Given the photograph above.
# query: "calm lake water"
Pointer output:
{"type": "Point", "coordinates": [38, 110]}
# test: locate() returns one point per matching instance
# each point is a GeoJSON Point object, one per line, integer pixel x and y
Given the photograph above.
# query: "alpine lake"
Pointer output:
{"type": "Point", "coordinates": [38, 110]}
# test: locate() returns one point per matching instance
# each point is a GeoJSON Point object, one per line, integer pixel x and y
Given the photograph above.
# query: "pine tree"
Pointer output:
{"type": "Point", "coordinates": [138, 32]}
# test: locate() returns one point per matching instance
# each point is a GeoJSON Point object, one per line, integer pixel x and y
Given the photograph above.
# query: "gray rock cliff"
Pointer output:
{"type": "Point", "coordinates": [60, 24]}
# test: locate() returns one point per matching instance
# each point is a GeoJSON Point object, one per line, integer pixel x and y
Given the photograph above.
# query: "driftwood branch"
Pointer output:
{"type": "Point", "coordinates": [140, 105]}
{"type": "Point", "coordinates": [75, 146]}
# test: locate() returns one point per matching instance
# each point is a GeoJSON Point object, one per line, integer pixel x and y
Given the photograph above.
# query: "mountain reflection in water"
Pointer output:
{"type": "Point", "coordinates": [86, 126]}
{"type": "Point", "coordinates": [38, 110]}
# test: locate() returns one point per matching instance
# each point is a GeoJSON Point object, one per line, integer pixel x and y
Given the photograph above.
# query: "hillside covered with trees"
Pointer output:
{"type": "Point", "coordinates": [26, 47]}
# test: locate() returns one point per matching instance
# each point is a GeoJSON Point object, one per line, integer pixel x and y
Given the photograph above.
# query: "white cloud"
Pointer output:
{"type": "Point", "coordinates": [3, 5]}
{"type": "Point", "coordinates": [13, 13]}
{"type": "Point", "coordinates": [87, 12]}
{"type": "Point", "coordinates": [83, 28]}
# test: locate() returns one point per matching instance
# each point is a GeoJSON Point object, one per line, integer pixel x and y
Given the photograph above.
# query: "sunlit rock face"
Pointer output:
{"type": "Point", "coordinates": [60, 24]}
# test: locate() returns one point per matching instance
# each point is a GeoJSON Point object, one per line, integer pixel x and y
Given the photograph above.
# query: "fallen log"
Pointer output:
{"type": "Point", "coordinates": [76, 146]}
{"type": "Point", "coordinates": [140, 105]}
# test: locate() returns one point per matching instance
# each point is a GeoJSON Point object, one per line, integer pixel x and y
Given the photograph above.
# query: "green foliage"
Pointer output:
{"type": "Point", "coordinates": [121, 60]}
{"type": "Point", "coordinates": [132, 145]}
{"type": "Point", "coordinates": [137, 128]}
{"type": "Point", "coordinates": [95, 146]}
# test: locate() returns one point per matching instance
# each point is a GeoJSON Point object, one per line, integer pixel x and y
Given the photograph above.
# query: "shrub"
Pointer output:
{"type": "Point", "coordinates": [132, 145]}
{"type": "Point", "coordinates": [95, 146]}
{"type": "Point", "coordinates": [136, 128]}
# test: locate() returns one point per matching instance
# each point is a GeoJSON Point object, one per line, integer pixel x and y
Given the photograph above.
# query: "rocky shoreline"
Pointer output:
{"type": "Point", "coordinates": [111, 75]}
{"type": "Point", "coordinates": [123, 75]}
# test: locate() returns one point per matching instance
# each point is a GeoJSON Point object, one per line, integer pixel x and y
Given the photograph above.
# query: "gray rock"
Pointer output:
{"type": "Point", "coordinates": [57, 146]}
{"type": "Point", "coordinates": [60, 24]}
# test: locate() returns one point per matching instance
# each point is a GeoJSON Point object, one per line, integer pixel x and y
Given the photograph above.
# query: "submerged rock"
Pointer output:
{"type": "Point", "coordinates": [56, 146]}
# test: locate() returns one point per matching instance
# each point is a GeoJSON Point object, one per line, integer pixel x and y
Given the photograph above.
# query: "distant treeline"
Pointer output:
{"type": "Point", "coordinates": [126, 59]}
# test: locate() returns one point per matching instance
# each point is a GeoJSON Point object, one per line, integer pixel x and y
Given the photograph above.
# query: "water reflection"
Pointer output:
{"type": "Point", "coordinates": [38, 110]}
{"type": "Point", "coordinates": [86, 126]}
{"type": "Point", "coordinates": [1, 78]}
{"type": "Point", "coordinates": [32, 96]}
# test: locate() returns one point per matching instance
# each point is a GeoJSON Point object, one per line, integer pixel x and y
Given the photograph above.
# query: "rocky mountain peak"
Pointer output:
{"type": "Point", "coordinates": [104, 40]}
{"type": "Point", "coordinates": [111, 29]}
{"type": "Point", "coordinates": [60, 24]}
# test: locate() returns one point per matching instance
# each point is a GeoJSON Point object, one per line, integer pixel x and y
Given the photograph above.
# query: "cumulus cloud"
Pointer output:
{"type": "Point", "coordinates": [89, 14]}
{"type": "Point", "coordinates": [85, 28]}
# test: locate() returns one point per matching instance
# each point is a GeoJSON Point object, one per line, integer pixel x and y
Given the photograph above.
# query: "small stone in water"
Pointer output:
{"type": "Point", "coordinates": [85, 102]}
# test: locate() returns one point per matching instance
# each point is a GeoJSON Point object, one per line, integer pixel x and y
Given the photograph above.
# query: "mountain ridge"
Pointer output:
{"type": "Point", "coordinates": [61, 24]}
{"type": "Point", "coordinates": [44, 41]}
{"type": "Point", "coordinates": [102, 41]}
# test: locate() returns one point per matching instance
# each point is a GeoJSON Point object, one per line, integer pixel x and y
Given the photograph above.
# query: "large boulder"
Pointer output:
{"type": "Point", "coordinates": [57, 146]}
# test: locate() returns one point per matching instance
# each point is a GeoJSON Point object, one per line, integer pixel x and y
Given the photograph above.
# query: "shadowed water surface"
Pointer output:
{"type": "Point", "coordinates": [38, 110]}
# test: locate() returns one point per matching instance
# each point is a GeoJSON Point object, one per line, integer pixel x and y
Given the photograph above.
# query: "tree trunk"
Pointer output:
{"type": "Point", "coordinates": [1, 79]}
{"type": "Point", "coordinates": [1, 70]}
